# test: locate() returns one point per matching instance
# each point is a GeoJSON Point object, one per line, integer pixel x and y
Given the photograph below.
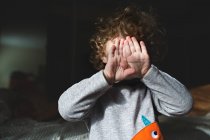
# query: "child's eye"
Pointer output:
{"type": "Point", "coordinates": [154, 134]}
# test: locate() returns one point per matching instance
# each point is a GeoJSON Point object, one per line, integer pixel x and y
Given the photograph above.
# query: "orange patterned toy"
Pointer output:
{"type": "Point", "coordinates": [150, 132]}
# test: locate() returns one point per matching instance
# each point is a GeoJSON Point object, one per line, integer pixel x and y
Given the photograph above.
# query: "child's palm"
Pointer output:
{"type": "Point", "coordinates": [123, 71]}
{"type": "Point", "coordinates": [137, 56]}
{"type": "Point", "coordinates": [117, 68]}
{"type": "Point", "coordinates": [139, 62]}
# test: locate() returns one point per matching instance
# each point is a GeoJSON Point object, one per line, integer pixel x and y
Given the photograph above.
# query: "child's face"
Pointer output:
{"type": "Point", "coordinates": [108, 46]}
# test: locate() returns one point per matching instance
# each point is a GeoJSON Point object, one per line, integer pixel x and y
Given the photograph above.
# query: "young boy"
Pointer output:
{"type": "Point", "coordinates": [120, 101]}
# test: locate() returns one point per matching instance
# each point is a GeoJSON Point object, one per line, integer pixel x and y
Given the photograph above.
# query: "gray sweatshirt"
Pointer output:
{"type": "Point", "coordinates": [115, 112]}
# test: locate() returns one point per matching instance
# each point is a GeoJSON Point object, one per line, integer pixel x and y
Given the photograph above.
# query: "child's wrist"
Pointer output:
{"type": "Point", "coordinates": [144, 72]}
{"type": "Point", "coordinates": [108, 78]}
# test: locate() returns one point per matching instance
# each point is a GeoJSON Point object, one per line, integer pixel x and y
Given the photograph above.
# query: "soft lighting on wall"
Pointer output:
{"type": "Point", "coordinates": [20, 41]}
{"type": "Point", "coordinates": [30, 37]}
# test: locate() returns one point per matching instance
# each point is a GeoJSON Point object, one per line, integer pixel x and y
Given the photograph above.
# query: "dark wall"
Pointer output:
{"type": "Point", "coordinates": [187, 23]}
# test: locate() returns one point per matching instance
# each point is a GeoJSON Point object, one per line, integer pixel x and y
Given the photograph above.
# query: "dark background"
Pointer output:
{"type": "Point", "coordinates": [70, 23]}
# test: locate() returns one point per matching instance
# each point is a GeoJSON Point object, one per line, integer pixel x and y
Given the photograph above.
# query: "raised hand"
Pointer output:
{"type": "Point", "coordinates": [117, 68]}
{"type": "Point", "coordinates": [136, 56]}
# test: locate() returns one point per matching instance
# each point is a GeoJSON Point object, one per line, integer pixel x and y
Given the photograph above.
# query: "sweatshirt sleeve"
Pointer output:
{"type": "Point", "coordinates": [170, 97]}
{"type": "Point", "coordinates": [77, 101]}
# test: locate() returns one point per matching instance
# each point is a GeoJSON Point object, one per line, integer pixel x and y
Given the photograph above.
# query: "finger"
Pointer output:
{"type": "Point", "coordinates": [121, 47]}
{"type": "Point", "coordinates": [130, 42]}
{"type": "Point", "coordinates": [116, 51]}
{"type": "Point", "coordinates": [143, 47]}
{"type": "Point", "coordinates": [136, 44]}
{"type": "Point", "coordinates": [129, 72]}
{"type": "Point", "coordinates": [123, 63]}
{"type": "Point", "coordinates": [124, 52]}
{"type": "Point", "coordinates": [117, 42]}
{"type": "Point", "coordinates": [118, 46]}
{"type": "Point", "coordinates": [111, 52]}
{"type": "Point", "coordinates": [122, 42]}
{"type": "Point", "coordinates": [126, 49]}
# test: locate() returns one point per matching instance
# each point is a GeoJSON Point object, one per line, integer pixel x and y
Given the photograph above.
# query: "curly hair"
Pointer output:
{"type": "Point", "coordinates": [128, 21]}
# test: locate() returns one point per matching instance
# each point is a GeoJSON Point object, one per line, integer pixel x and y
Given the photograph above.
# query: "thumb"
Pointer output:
{"type": "Point", "coordinates": [129, 72]}
{"type": "Point", "coordinates": [123, 63]}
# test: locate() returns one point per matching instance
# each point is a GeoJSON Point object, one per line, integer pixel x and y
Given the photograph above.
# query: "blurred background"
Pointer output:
{"type": "Point", "coordinates": [44, 49]}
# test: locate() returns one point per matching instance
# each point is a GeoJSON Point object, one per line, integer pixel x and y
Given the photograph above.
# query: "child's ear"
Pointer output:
{"type": "Point", "coordinates": [104, 59]}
